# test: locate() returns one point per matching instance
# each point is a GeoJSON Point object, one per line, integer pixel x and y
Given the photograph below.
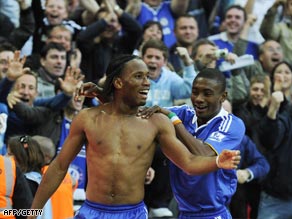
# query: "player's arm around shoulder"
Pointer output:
{"type": "Point", "coordinates": [163, 125]}
{"type": "Point", "coordinates": [173, 148]}
{"type": "Point", "coordinates": [178, 153]}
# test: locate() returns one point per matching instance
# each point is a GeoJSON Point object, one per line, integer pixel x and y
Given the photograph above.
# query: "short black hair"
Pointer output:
{"type": "Point", "coordinates": [7, 46]}
{"type": "Point", "coordinates": [114, 69]}
{"type": "Point", "coordinates": [49, 46]}
{"type": "Point", "coordinates": [213, 74]}
{"type": "Point", "coordinates": [151, 23]}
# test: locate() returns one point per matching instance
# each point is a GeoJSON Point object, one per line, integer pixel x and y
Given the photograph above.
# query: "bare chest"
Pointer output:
{"type": "Point", "coordinates": [123, 135]}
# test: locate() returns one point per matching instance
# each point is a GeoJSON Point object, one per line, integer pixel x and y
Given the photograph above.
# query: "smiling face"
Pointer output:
{"type": "Point", "coordinates": [234, 21]}
{"type": "Point", "coordinates": [284, 74]}
{"type": "Point", "coordinates": [152, 32]}
{"type": "Point", "coordinates": [257, 93]}
{"type": "Point", "coordinates": [26, 85]}
{"type": "Point", "coordinates": [56, 11]}
{"type": "Point", "coordinates": [207, 97]}
{"type": "Point", "coordinates": [133, 84]}
{"type": "Point", "coordinates": [186, 31]}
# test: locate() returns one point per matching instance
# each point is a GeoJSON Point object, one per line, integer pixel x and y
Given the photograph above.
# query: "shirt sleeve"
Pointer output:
{"type": "Point", "coordinates": [227, 133]}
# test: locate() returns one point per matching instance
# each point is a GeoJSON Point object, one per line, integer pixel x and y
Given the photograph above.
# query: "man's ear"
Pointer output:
{"type": "Point", "coordinates": [261, 58]}
{"type": "Point", "coordinates": [42, 61]}
{"type": "Point", "coordinates": [223, 97]}
{"type": "Point", "coordinates": [118, 84]}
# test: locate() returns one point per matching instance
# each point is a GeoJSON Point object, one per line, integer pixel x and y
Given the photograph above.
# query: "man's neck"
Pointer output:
{"type": "Point", "coordinates": [233, 37]}
{"type": "Point", "coordinates": [45, 75]}
{"type": "Point", "coordinates": [121, 109]}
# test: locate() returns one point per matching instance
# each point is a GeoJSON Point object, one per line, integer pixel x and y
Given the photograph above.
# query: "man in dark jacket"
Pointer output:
{"type": "Point", "coordinates": [114, 32]}
{"type": "Point", "coordinates": [276, 135]}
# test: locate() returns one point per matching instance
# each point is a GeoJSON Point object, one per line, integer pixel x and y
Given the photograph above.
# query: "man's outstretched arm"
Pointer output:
{"type": "Point", "coordinates": [183, 158]}
{"type": "Point", "coordinates": [194, 145]}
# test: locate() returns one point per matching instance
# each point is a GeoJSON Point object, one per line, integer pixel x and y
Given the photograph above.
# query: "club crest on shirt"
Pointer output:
{"type": "Point", "coordinates": [216, 136]}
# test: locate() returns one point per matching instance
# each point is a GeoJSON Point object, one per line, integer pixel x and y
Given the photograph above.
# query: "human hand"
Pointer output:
{"type": "Point", "coordinates": [231, 57]}
{"type": "Point", "coordinates": [149, 176]}
{"type": "Point", "coordinates": [109, 18]}
{"type": "Point", "coordinates": [228, 159]}
{"type": "Point", "coordinates": [13, 98]}
{"type": "Point", "coordinates": [242, 175]}
{"type": "Point", "coordinates": [87, 89]}
{"type": "Point", "coordinates": [24, 4]}
{"type": "Point", "coordinates": [147, 112]}
{"type": "Point", "coordinates": [15, 66]}
{"type": "Point", "coordinates": [278, 82]}
{"type": "Point", "coordinates": [277, 98]}
{"type": "Point", "coordinates": [207, 56]}
{"type": "Point", "coordinates": [110, 5]}
{"type": "Point", "coordinates": [72, 77]}
{"type": "Point", "coordinates": [183, 53]}
{"type": "Point", "coordinates": [251, 19]}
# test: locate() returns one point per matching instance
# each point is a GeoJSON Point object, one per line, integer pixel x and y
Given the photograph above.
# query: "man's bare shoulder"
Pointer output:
{"type": "Point", "coordinates": [160, 120]}
{"type": "Point", "coordinates": [90, 110]}
{"type": "Point", "coordinates": [86, 113]}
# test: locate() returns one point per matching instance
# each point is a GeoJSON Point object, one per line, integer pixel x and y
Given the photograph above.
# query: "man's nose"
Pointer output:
{"type": "Point", "coordinates": [59, 59]}
{"type": "Point", "coordinates": [200, 98]}
{"type": "Point", "coordinates": [146, 81]}
{"type": "Point", "coordinates": [24, 91]}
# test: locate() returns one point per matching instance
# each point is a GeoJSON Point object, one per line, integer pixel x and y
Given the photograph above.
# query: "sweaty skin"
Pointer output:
{"type": "Point", "coordinates": [120, 146]}
{"type": "Point", "coordinates": [122, 151]}
{"type": "Point", "coordinates": [122, 154]}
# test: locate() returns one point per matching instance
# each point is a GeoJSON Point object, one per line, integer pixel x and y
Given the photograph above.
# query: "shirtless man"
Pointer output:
{"type": "Point", "coordinates": [120, 147]}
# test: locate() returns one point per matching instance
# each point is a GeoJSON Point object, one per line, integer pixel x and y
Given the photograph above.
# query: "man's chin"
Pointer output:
{"type": "Point", "coordinates": [54, 22]}
{"type": "Point", "coordinates": [142, 103]}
